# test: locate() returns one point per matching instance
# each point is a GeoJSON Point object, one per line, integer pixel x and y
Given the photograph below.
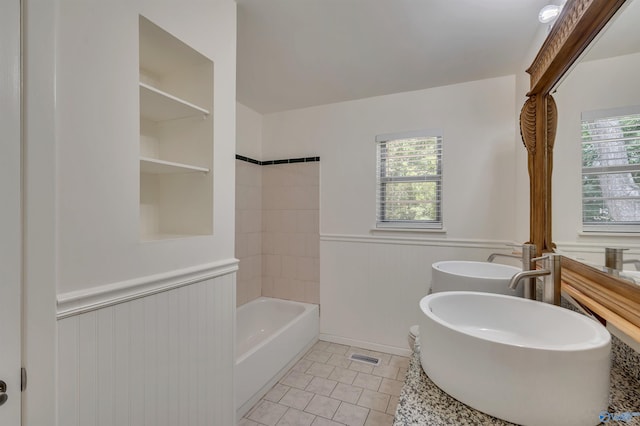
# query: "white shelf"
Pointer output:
{"type": "Point", "coordinates": [155, 166]}
{"type": "Point", "coordinates": [176, 199]}
{"type": "Point", "coordinates": [164, 237]}
{"type": "Point", "coordinates": [157, 105]}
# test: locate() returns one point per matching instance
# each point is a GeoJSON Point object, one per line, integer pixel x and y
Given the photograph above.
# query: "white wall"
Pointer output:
{"type": "Point", "coordinates": [11, 208]}
{"type": "Point", "coordinates": [39, 214]}
{"type": "Point", "coordinates": [593, 85]}
{"type": "Point", "coordinates": [477, 120]}
{"type": "Point", "coordinates": [81, 149]}
{"type": "Point", "coordinates": [97, 123]}
{"type": "Point", "coordinates": [248, 132]}
{"type": "Point", "coordinates": [370, 282]}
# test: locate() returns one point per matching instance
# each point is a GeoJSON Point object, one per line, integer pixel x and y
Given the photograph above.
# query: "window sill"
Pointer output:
{"type": "Point", "coordinates": [597, 234]}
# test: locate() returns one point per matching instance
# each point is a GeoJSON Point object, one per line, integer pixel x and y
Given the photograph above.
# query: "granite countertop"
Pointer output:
{"type": "Point", "coordinates": [423, 403]}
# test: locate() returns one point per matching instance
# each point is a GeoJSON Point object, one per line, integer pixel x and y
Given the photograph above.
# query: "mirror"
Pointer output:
{"type": "Point", "coordinates": [603, 82]}
{"type": "Point", "coordinates": [614, 300]}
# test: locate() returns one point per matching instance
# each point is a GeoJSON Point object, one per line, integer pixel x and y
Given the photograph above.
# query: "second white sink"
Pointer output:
{"type": "Point", "coordinates": [463, 275]}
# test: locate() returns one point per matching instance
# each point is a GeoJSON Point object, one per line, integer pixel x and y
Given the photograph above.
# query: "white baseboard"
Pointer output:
{"type": "Point", "coordinates": [366, 345]}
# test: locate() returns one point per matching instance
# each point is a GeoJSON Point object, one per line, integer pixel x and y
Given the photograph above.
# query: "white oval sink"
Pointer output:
{"type": "Point", "coordinates": [633, 276]}
{"type": "Point", "coordinates": [463, 275]}
{"type": "Point", "coordinates": [523, 361]}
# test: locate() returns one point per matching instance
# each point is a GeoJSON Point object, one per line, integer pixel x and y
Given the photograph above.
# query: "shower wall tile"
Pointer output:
{"type": "Point", "coordinates": [291, 231]}
{"type": "Point", "coordinates": [248, 231]}
{"type": "Point", "coordinates": [278, 231]}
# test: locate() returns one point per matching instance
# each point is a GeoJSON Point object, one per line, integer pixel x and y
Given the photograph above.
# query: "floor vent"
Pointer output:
{"type": "Point", "coordinates": [365, 358]}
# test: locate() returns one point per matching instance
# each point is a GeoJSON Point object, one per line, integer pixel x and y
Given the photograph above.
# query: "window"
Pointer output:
{"type": "Point", "coordinates": [611, 170]}
{"type": "Point", "coordinates": [409, 184]}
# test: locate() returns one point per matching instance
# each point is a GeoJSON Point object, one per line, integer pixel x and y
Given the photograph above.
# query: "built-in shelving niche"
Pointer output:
{"type": "Point", "coordinates": [176, 137]}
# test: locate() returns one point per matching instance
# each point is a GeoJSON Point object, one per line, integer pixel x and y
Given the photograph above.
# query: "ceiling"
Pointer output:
{"type": "Point", "coordinates": [300, 53]}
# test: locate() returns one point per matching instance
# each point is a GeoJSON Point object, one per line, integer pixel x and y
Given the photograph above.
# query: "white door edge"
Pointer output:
{"type": "Point", "coordinates": [10, 212]}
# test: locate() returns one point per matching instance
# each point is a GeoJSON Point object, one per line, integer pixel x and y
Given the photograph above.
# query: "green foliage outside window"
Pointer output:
{"type": "Point", "coordinates": [409, 180]}
{"type": "Point", "coordinates": [612, 196]}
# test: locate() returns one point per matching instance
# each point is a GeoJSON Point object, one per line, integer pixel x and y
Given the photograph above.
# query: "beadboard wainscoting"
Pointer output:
{"type": "Point", "coordinates": [371, 285]}
{"type": "Point", "coordinates": [164, 357]}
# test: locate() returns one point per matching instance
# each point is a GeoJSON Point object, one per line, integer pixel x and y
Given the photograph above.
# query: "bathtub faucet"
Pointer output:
{"type": "Point", "coordinates": [551, 272]}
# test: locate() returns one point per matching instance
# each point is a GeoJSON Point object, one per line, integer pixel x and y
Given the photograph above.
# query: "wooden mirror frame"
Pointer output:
{"type": "Point", "coordinates": [612, 300]}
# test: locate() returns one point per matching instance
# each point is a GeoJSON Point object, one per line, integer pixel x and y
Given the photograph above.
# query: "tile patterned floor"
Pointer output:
{"type": "Point", "coordinates": [325, 388]}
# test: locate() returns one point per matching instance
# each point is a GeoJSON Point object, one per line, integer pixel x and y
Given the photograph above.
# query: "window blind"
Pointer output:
{"type": "Point", "coordinates": [611, 170]}
{"type": "Point", "coordinates": [409, 180]}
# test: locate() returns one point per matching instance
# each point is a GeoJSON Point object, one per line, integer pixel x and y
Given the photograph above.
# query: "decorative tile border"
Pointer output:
{"type": "Point", "coordinates": [271, 162]}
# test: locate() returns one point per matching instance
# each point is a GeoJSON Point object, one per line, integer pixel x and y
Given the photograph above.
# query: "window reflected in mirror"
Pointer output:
{"type": "Point", "coordinates": [611, 170]}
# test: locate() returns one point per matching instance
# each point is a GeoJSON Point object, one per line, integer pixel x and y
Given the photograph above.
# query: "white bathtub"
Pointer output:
{"type": "Point", "coordinates": [271, 335]}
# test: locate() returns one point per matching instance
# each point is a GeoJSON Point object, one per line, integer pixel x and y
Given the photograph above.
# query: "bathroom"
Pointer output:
{"type": "Point", "coordinates": [115, 323]}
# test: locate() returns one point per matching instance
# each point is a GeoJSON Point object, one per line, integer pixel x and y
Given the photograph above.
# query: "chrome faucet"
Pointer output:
{"type": "Point", "coordinates": [492, 256]}
{"type": "Point", "coordinates": [636, 263]}
{"type": "Point", "coordinates": [528, 254]}
{"type": "Point", "coordinates": [614, 260]}
{"type": "Point", "coordinates": [551, 290]}
{"type": "Point", "coordinates": [515, 280]}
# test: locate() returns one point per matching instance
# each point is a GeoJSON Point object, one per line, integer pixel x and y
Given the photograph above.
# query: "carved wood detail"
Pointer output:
{"type": "Point", "coordinates": [552, 122]}
{"type": "Point", "coordinates": [558, 36]}
{"type": "Point", "coordinates": [577, 25]}
{"type": "Point", "coordinates": [611, 298]}
{"type": "Point", "coordinates": [528, 124]}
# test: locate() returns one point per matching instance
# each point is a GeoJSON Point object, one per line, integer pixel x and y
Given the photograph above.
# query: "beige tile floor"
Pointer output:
{"type": "Point", "coordinates": [325, 388]}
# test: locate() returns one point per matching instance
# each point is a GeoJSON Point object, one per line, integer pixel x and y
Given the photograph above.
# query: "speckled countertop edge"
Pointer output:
{"type": "Point", "coordinates": [422, 403]}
